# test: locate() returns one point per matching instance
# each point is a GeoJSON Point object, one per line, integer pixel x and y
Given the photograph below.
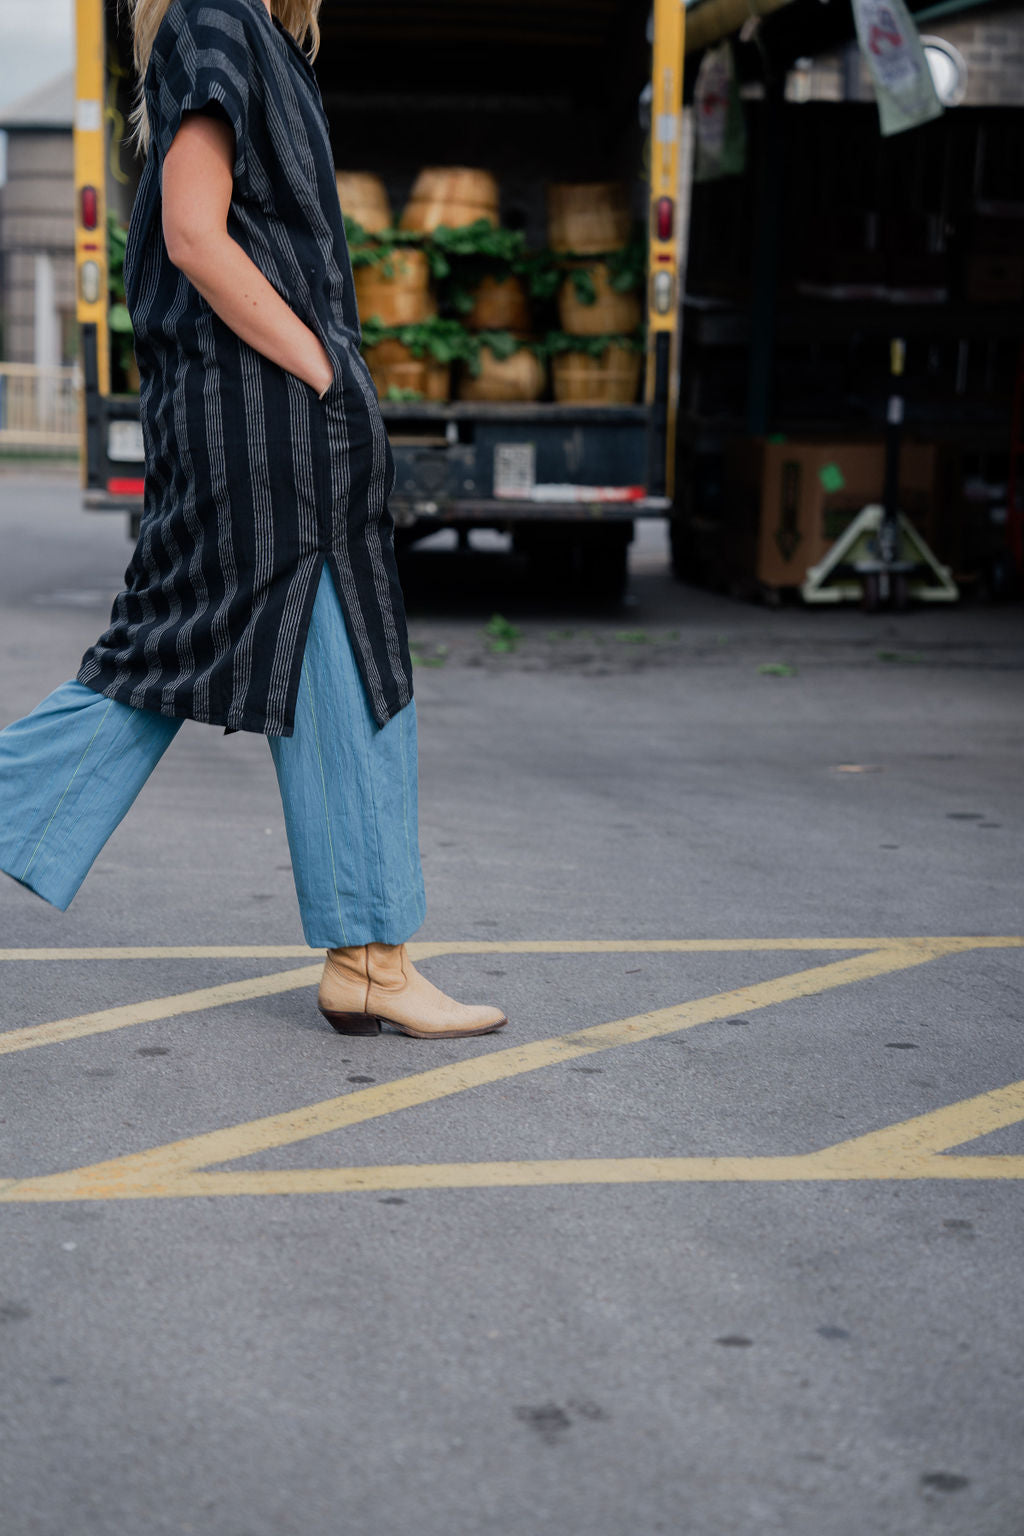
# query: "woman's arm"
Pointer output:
{"type": "Point", "coordinates": [196, 189]}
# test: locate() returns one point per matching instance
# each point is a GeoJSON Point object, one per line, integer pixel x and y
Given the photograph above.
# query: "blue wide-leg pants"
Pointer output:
{"type": "Point", "coordinates": [72, 768]}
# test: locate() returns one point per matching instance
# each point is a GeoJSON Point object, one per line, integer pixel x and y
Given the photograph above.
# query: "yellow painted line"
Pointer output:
{"type": "Point", "coordinates": [159, 1170]}
{"type": "Point", "coordinates": [158, 1008]}
{"type": "Point", "coordinates": [905, 1151]}
{"type": "Point", "coordinates": [952, 943]}
{"type": "Point", "coordinates": [105, 1019]}
{"type": "Point", "coordinates": [812, 1167]}
{"type": "Point", "coordinates": [430, 949]}
{"type": "Point", "coordinates": [940, 1129]}
{"type": "Point", "coordinates": [166, 952]}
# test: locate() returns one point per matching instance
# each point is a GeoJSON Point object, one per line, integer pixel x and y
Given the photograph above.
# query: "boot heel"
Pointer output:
{"type": "Point", "coordinates": [352, 1023]}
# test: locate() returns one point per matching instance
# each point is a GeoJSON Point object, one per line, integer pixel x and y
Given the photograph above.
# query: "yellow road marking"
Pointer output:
{"type": "Point", "coordinates": [910, 1150]}
{"type": "Point", "coordinates": [940, 1129]}
{"type": "Point", "coordinates": [425, 949]}
{"type": "Point", "coordinates": [166, 952]}
{"type": "Point", "coordinates": [147, 1012]}
{"type": "Point", "coordinates": [158, 1008]}
{"type": "Point", "coordinates": [810, 1167]}
{"type": "Point", "coordinates": [905, 1151]}
{"type": "Point", "coordinates": [160, 1170]}
{"type": "Point", "coordinates": [430, 949]}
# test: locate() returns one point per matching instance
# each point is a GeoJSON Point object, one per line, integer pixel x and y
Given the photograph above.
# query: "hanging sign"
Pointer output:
{"type": "Point", "coordinates": [892, 50]}
{"type": "Point", "coordinates": [718, 113]}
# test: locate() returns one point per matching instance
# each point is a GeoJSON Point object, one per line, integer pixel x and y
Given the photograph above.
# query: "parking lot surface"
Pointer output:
{"type": "Point", "coordinates": [757, 871]}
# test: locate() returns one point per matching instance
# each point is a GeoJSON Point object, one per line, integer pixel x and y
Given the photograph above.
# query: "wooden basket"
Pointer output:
{"type": "Point", "coordinates": [437, 381]}
{"type": "Point", "coordinates": [404, 297]}
{"type": "Point", "coordinates": [611, 313]}
{"type": "Point", "coordinates": [588, 217]}
{"type": "Point", "coordinates": [519, 377]}
{"type": "Point", "coordinates": [364, 199]}
{"type": "Point", "coordinates": [500, 304]}
{"type": "Point", "coordinates": [451, 195]}
{"type": "Point", "coordinates": [613, 379]}
{"type": "Point", "coordinates": [392, 366]}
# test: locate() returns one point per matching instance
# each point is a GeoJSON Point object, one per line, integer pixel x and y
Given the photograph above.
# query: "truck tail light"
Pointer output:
{"type": "Point", "coordinates": [90, 208]}
{"type": "Point", "coordinates": [664, 216]}
{"type": "Point", "coordinates": [89, 281]}
{"type": "Point", "coordinates": [661, 292]}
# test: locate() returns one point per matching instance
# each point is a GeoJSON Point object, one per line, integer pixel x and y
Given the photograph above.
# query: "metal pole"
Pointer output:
{"type": "Point", "coordinates": [889, 532]}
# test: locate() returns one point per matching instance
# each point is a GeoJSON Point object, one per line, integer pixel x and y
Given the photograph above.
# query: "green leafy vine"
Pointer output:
{"type": "Point", "coordinates": [556, 343]}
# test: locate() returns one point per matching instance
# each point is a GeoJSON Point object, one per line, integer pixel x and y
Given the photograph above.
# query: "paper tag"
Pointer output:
{"type": "Point", "coordinates": [515, 470]}
{"type": "Point", "coordinates": [124, 442]}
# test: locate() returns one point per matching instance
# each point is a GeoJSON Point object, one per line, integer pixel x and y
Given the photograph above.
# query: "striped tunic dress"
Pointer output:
{"type": "Point", "coordinates": [252, 482]}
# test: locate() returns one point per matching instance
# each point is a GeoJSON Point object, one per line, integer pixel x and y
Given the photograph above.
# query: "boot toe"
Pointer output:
{"type": "Point", "coordinates": [455, 1024]}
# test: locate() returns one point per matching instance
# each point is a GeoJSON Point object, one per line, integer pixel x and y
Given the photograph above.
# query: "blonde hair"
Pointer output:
{"type": "Point", "coordinates": [300, 17]}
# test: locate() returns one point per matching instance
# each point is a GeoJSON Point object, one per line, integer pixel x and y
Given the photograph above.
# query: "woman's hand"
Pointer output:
{"type": "Point", "coordinates": [196, 190]}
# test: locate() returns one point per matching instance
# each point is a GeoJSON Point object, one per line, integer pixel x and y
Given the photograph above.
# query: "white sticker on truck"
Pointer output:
{"type": "Point", "coordinates": [124, 442]}
{"type": "Point", "coordinates": [515, 470]}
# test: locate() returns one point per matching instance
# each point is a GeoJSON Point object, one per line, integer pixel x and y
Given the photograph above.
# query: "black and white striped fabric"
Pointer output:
{"type": "Point", "coordinates": [252, 482]}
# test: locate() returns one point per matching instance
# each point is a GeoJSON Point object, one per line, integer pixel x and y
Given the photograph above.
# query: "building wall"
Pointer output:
{"type": "Point", "coordinates": [37, 219]}
{"type": "Point", "coordinates": [992, 47]}
{"type": "Point", "coordinates": [993, 50]}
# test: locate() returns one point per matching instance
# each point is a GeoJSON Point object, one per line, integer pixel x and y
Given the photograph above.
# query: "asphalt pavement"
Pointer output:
{"type": "Point", "coordinates": [260, 1280]}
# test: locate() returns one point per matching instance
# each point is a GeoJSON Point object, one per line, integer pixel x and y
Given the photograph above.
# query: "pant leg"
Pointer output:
{"type": "Point", "coordinates": [349, 793]}
{"type": "Point", "coordinates": [68, 774]}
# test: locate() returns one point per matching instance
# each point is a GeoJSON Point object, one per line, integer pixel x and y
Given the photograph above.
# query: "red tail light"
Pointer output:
{"type": "Point", "coordinates": [90, 208]}
{"type": "Point", "coordinates": [664, 214]}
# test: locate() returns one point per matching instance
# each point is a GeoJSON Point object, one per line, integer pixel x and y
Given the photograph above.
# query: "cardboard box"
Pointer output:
{"type": "Point", "coordinates": [788, 501]}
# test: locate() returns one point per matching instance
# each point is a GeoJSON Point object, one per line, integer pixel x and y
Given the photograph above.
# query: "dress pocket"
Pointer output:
{"type": "Point", "coordinates": [361, 366]}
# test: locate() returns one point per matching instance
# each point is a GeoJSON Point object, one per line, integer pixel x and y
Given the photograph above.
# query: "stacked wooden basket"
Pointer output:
{"type": "Point", "coordinates": [586, 225]}
{"type": "Point", "coordinates": [448, 286]}
{"type": "Point", "coordinates": [501, 305]}
{"type": "Point", "coordinates": [396, 292]}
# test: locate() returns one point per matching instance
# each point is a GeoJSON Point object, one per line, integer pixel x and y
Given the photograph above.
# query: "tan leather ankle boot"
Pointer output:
{"type": "Point", "coordinates": [371, 984]}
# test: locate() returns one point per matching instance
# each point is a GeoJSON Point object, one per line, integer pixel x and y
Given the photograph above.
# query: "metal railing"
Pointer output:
{"type": "Point", "coordinates": [39, 407]}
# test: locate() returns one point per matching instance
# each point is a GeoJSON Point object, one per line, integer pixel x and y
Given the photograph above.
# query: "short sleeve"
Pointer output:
{"type": "Point", "coordinates": [202, 62]}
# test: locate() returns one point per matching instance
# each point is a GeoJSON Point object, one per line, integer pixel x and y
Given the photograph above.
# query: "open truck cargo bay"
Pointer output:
{"type": "Point", "coordinates": [536, 92]}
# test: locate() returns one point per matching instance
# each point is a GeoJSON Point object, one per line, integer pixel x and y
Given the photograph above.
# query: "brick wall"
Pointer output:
{"type": "Point", "coordinates": [992, 46]}
{"type": "Point", "coordinates": [993, 49]}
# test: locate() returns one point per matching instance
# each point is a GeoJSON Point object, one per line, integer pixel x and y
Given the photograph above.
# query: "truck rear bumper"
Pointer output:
{"type": "Point", "coordinates": [106, 501]}
{"type": "Point", "coordinates": [500, 464]}
{"type": "Point", "coordinates": [497, 513]}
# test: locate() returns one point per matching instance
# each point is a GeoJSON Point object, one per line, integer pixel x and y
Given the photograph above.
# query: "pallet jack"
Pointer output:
{"type": "Point", "coordinates": [881, 559]}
